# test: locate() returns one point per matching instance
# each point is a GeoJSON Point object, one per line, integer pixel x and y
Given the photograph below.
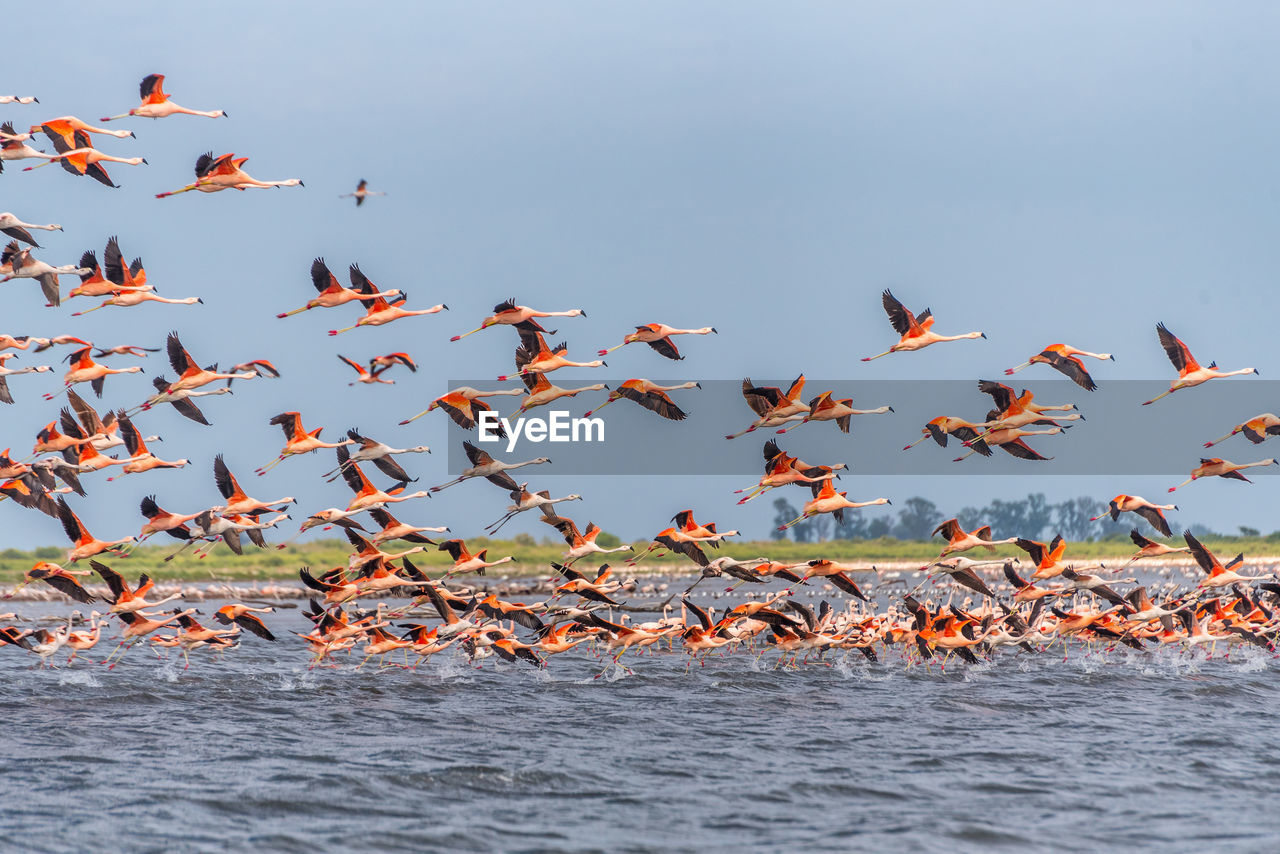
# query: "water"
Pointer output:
{"type": "Point", "coordinates": [1118, 749]}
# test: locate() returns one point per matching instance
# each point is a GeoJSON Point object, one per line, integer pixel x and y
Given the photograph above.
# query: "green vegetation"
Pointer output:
{"type": "Point", "coordinates": [533, 557]}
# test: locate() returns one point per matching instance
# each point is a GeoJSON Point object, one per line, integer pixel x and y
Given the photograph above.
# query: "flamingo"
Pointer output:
{"type": "Point", "coordinates": [60, 579]}
{"type": "Point", "coordinates": [23, 265]}
{"type": "Point", "coordinates": [368, 496]}
{"type": "Point", "coordinates": [128, 299]}
{"type": "Point", "coordinates": [85, 544]}
{"type": "Point", "coordinates": [917, 332]}
{"type": "Point", "coordinates": [534, 356]}
{"type": "Point", "coordinates": [156, 104]}
{"type": "Point", "coordinates": [1217, 467]}
{"type": "Point", "coordinates": [1150, 548]}
{"type": "Point", "coordinates": [81, 158]}
{"type": "Point", "coordinates": [1064, 359]}
{"type": "Point", "coordinates": [190, 374]}
{"type": "Point", "coordinates": [485, 466]}
{"type": "Point", "coordinates": [19, 99]}
{"type": "Point", "coordinates": [541, 392]}
{"type": "Point", "coordinates": [237, 501]}
{"type": "Point", "coordinates": [830, 501]}
{"type": "Point", "coordinates": [1256, 429]}
{"type": "Point", "coordinates": [333, 294]}
{"type": "Point", "coordinates": [298, 440]}
{"type": "Point", "coordinates": [580, 544]}
{"type": "Point", "coordinates": [1190, 373]}
{"type": "Point", "coordinates": [463, 405]}
{"type": "Point", "coordinates": [368, 376]}
{"type": "Point", "coordinates": [135, 629]}
{"type": "Point", "coordinates": [1142, 507]}
{"type": "Point", "coordinates": [13, 227]}
{"type": "Point", "coordinates": [140, 458]}
{"type": "Point", "coordinates": [13, 146]}
{"type": "Point", "coordinates": [378, 311]}
{"type": "Point", "coordinates": [214, 174]}
{"type": "Point", "coordinates": [84, 369]}
{"type": "Point", "coordinates": [465, 561]}
{"type": "Point", "coordinates": [960, 540]}
{"type": "Point", "coordinates": [161, 520]}
{"type": "Point", "coordinates": [649, 395]}
{"type": "Point", "coordinates": [394, 529]}
{"type": "Point", "coordinates": [84, 641]}
{"type": "Point", "coordinates": [782, 469]}
{"type": "Point", "coordinates": [243, 616]}
{"type": "Point", "coordinates": [180, 398]}
{"type": "Point", "coordinates": [658, 336]}
{"type": "Point", "coordinates": [1010, 439]}
{"type": "Point", "coordinates": [361, 193]}
{"type": "Point", "coordinates": [1217, 574]}
{"type": "Point", "coordinates": [378, 453]}
{"type": "Point", "coordinates": [520, 316]}
{"type": "Point", "coordinates": [5, 372]}
{"type": "Point", "coordinates": [772, 406]}
{"type": "Point", "coordinates": [825, 408]}
{"type": "Point", "coordinates": [524, 500]}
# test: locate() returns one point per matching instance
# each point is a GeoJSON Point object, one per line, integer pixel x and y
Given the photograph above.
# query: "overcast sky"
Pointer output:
{"type": "Point", "coordinates": [1043, 173]}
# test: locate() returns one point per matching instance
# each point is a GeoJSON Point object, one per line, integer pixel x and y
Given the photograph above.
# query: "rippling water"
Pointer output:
{"type": "Point", "coordinates": [1028, 752]}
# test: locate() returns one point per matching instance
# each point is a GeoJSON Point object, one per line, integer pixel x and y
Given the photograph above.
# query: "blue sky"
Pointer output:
{"type": "Point", "coordinates": [1042, 173]}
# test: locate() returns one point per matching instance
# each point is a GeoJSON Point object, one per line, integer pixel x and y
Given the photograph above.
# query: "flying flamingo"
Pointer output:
{"type": "Point", "coordinates": [1141, 506]}
{"type": "Point", "coordinates": [13, 146]}
{"type": "Point", "coordinates": [84, 369]}
{"type": "Point", "coordinates": [333, 294]}
{"type": "Point", "coordinates": [485, 466]}
{"type": "Point", "coordinates": [5, 373]}
{"type": "Point", "coordinates": [782, 469]}
{"type": "Point", "coordinates": [13, 227]}
{"type": "Point", "coordinates": [237, 501]}
{"type": "Point", "coordinates": [136, 628]}
{"type": "Point", "coordinates": [1190, 373]}
{"type": "Point", "coordinates": [1150, 548]}
{"type": "Point", "coordinates": [361, 193]}
{"type": "Point", "coordinates": [524, 500]}
{"type": "Point", "coordinates": [463, 405]}
{"type": "Point", "coordinates": [23, 266]}
{"type": "Point", "coordinates": [127, 299]}
{"type": "Point", "coordinates": [534, 356]}
{"type": "Point", "coordinates": [368, 376]}
{"type": "Point", "coordinates": [1256, 429]}
{"type": "Point", "coordinates": [85, 544]}
{"type": "Point", "coordinates": [465, 561]}
{"type": "Point", "coordinates": [190, 374]}
{"type": "Point", "coordinates": [140, 457]}
{"type": "Point", "coordinates": [520, 316]}
{"type": "Point", "coordinates": [156, 104]}
{"type": "Point", "coordinates": [394, 529]}
{"type": "Point", "coordinates": [1010, 439]}
{"type": "Point", "coordinates": [917, 332]}
{"type": "Point", "coordinates": [830, 501]}
{"type": "Point", "coordinates": [580, 544]}
{"type": "Point", "coordinates": [1217, 467]}
{"type": "Point", "coordinates": [67, 126]}
{"type": "Point", "coordinates": [368, 496]}
{"type": "Point", "coordinates": [1064, 359]}
{"type": "Point", "coordinates": [123, 599]}
{"type": "Point", "coordinates": [378, 311]}
{"type": "Point", "coordinates": [297, 439]}
{"type": "Point", "coordinates": [960, 540]}
{"type": "Point", "coordinates": [161, 520]}
{"type": "Point", "coordinates": [649, 395]}
{"type": "Point", "coordinates": [658, 336]}
{"type": "Point", "coordinates": [772, 406]}
{"type": "Point", "coordinates": [224, 173]}
{"type": "Point", "coordinates": [541, 392]}
{"type": "Point", "coordinates": [180, 398]}
{"type": "Point", "coordinates": [19, 99]}
{"type": "Point", "coordinates": [378, 453]}
{"type": "Point", "coordinates": [825, 408]}
{"type": "Point", "coordinates": [83, 159]}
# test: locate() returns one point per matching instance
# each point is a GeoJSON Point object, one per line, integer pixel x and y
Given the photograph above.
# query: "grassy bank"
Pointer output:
{"type": "Point", "coordinates": [532, 558]}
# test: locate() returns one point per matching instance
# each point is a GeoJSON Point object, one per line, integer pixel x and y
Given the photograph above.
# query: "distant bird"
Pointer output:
{"type": "Point", "coordinates": [214, 174]}
{"type": "Point", "coordinates": [940, 428]}
{"type": "Point", "coordinates": [1064, 359]}
{"type": "Point", "coordinates": [13, 227]}
{"type": "Point", "coordinates": [333, 294]}
{"type": "Point", "coordinates": [658, 336]}
{"type": "Point", "coordinates": [1190, 373]}
{"type": "Point", "coordinates": [368, 376]}
{"type": "Point", "coordinates": [5, 373]}
{"type": "Point", "coordinates": [1142, 507]}
{"type": "Point", "coordinates": [650, 395]}
{"type": "Point", "coordinates": [156, 104]}
{"type": "Point", "coordinates": [917, 332]}
{"type": "Point", "coordinates": [1257, 429]}
{"type": "Point", "coordinates": [362, 192]}
{"type": "Point", "coordinates": [1217, 467]}
{"type": "Point", "coordinates": [520, 316]}
{"type": "Point", "coordinates": [16, 99]}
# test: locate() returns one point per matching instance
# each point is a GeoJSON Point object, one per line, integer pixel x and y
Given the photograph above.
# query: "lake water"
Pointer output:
{"type": "Point", "coordinates": [1028, 752]}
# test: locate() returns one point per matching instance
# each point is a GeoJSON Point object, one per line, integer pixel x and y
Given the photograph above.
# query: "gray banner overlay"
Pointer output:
{"type": "Point", "coordinates": [1118, 435]}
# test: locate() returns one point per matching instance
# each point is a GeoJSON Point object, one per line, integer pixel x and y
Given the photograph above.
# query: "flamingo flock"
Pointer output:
{"type": "Point", "coordinates": [1030, 599]}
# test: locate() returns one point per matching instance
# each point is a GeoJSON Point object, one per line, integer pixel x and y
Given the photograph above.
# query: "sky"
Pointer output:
{"type": "Point", "coordinates": [1042, 173]}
